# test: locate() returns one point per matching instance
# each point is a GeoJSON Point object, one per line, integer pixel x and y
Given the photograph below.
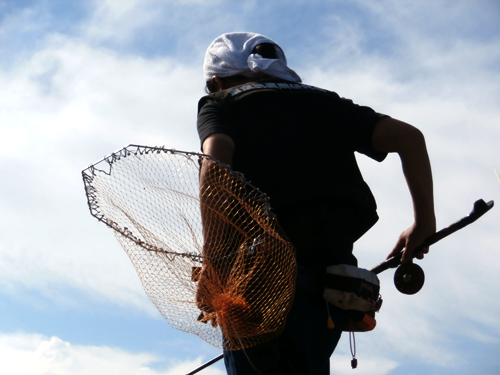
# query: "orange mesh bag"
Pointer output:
{"type": "Point", "coordinates": [210, 255]}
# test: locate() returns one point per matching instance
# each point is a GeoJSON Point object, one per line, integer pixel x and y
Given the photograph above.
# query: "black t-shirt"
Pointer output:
{"type": "Point", "coordinates": [296, 143]}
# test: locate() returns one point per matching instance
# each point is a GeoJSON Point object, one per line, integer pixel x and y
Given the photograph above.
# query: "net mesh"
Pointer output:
{"type": "Point", "coordinates": [231, 280]}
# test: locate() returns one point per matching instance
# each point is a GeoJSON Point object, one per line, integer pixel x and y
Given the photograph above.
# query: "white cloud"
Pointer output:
{"type": "Point", "coordinates": [118, 20]}
{"type": "Point", "coordinates": [128, 22]}
{"type": "Point", "coordinates": [65, 107]}
{"type": "Point", "coordinates": [31, 354]}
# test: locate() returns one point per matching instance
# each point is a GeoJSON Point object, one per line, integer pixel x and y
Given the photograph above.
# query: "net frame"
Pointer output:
{"type": "Point", "coordinates": [232, 300]}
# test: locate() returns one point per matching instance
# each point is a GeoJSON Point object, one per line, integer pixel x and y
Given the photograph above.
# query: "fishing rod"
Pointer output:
{"type": "Point", "coordinates": [409, 277]}
{"type": "Point", "coordinates": [205, 365]}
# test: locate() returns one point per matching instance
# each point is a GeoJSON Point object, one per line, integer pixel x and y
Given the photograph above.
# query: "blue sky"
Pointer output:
{"type": "Point", "coordinates": [81, 79]}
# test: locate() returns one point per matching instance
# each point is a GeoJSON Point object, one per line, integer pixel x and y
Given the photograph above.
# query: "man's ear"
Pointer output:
{"type": "Point", "coordinates": [216, 81]}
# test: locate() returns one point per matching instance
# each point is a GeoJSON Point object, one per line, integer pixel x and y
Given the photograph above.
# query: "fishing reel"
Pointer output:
{"type": "Point", "coordinates": [409, 278]}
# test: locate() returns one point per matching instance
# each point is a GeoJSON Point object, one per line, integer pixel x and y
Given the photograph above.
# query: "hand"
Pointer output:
{"type": "Point", "coordinates": [411, 239]}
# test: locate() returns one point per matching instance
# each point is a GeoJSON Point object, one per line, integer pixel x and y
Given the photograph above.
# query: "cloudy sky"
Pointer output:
{"type": "Point", "coordinates": [80, 79]}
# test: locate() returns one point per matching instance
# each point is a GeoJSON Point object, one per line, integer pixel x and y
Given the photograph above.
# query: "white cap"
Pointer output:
{"type": "Point", "coordinates": [231, 54]}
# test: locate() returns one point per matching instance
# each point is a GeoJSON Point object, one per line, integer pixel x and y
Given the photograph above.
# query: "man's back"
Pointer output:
{"type": "Point", "coordinates": [296, 143]}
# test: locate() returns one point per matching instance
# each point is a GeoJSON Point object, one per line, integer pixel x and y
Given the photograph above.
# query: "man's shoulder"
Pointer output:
{"type": "Point", "coordinates": [237, 93]}
{"type": "Point", "coordinates": [278, 85]}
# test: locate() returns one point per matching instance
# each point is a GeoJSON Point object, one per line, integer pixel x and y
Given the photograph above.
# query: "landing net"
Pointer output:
{"type": "Point", "coordinates": [230, 281]}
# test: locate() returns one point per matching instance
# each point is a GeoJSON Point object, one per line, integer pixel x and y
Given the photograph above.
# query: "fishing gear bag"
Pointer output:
{"type": "Point", "coordinates": [351, 288]}
{"type": "Point", "coordinates": [355, 290]}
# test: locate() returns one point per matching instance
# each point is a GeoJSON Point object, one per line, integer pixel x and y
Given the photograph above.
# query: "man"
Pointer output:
{"type": "Point", "coordinates": [296, 143]}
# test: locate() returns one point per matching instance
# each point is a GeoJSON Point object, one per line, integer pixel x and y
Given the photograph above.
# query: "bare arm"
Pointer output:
{"type": "Point", "coordinates": [392, 135]}
{"type": "Point", "coordinates": [219, 147]}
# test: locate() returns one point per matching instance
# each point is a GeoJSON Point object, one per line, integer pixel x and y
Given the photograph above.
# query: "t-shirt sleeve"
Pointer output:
{"type": "Point", "coordinates": [363, 121]}
{"type": "Point", "coordinates": [211, 120]}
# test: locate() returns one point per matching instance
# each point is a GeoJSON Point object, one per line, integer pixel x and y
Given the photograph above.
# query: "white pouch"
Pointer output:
{"type": "Point", "coordinates": [351, 288]}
